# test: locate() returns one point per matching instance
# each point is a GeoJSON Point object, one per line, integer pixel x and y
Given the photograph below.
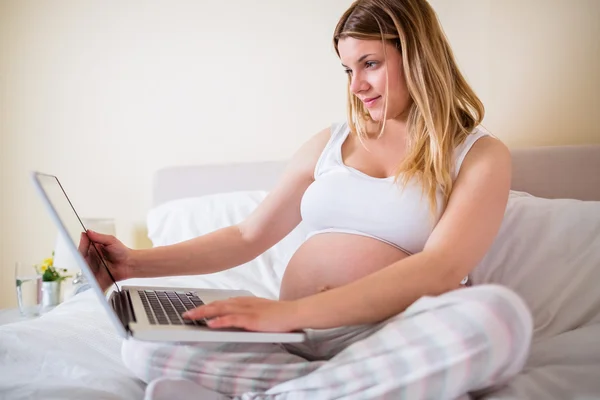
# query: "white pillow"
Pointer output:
{"type": "Point", "coordinates": [183, 219]}
{"type": "Point", "coordinates": [548, 251]}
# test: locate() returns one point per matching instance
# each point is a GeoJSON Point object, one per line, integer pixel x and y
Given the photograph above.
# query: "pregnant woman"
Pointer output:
{"type": "Point", "coordinates": [403, 200]}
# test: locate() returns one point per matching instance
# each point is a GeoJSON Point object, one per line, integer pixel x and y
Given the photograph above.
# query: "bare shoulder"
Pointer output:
{"type": "Point", "coordinates": [306, 157]}
{"type": "Point", "coordinates": [279, 212]}
{"type": "Point", "coordinates": [488, 153]}
{"type": "Point", "coordinates": [314, 146]}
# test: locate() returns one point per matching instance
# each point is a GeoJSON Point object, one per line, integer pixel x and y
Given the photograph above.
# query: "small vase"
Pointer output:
{"type": "Point", "coordinates": [50, 295]}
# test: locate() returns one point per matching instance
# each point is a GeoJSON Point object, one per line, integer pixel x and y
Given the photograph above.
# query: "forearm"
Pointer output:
{"type": "Point", "coordinates": [216, 251]}
{"type": "Point", "coordinates": [378, 296]}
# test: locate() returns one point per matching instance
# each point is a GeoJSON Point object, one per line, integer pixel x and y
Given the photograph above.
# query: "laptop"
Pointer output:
{"type": "Point", "coordinates": [147, 313]}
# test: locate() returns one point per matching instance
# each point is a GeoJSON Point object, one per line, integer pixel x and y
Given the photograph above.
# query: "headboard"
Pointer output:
{"type": "Point", "coordinates": [550, 171]}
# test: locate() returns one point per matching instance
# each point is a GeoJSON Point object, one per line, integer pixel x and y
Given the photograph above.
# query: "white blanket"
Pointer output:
{"type": "Point", "coordinates": [566, 366]}
{"type": "Point", "coordinates": [74, 353]}
{"type": "Point", "coordinates": [548, 251]}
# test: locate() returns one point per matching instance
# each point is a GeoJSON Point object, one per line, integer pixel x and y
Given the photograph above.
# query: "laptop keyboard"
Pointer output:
{"type": "Point", "coordinates": [164, 307]}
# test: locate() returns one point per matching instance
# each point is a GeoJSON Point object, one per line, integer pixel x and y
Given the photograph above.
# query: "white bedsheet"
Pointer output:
{"type": "Point", "coordinates": [566, 366]}
{"type": "Point", "coordinates": [73, 352]}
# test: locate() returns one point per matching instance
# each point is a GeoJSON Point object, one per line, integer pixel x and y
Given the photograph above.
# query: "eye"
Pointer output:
{"type": "Point", "coordinates": [348, 71]}
{"type": "Point", "coordinates": [370, 64]}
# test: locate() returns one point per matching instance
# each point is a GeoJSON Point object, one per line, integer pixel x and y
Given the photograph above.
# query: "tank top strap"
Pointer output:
{"type": "Point", "coordinates": [330, 157]}
{"type": "Point", "coordinates": [462, 149]}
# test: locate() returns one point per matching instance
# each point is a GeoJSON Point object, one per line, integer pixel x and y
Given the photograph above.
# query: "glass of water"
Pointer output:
{"type": "Point", "coordinates": [29, 289]}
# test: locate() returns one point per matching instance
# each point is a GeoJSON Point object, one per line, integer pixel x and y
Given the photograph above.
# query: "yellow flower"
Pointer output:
{"type": "Point", "coordinates": [43, 268]}
{"type": "Point", "coordinates": [48, 261]}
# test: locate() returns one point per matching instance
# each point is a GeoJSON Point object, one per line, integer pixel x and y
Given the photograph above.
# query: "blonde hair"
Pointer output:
{"type": "Point", "coordinates": [443, 109]}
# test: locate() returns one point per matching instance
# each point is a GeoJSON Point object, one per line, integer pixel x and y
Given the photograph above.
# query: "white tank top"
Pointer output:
{"type": "Point", "coordinates": [343, 199]}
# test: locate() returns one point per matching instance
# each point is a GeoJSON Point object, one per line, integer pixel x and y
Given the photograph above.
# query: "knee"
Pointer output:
{"type": "Point", "coordinates": [508, 324]}
{"type": "Point", "coordinates": [504, 304]}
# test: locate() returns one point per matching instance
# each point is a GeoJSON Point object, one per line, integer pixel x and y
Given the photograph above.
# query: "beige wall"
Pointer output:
{"type": "Point", "coordinates": [104, 93]}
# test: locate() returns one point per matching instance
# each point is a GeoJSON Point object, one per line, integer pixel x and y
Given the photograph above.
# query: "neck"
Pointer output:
{"type": "Point", "coordinates": [394, 128]}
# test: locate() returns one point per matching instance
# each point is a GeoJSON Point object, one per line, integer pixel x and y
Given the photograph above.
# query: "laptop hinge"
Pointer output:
{"type": "Point", "coordinates": [122, 305]}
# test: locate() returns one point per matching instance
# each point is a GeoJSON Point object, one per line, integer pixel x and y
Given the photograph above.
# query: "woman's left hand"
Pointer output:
{"type": "Point", "coordinates": [250, 313]}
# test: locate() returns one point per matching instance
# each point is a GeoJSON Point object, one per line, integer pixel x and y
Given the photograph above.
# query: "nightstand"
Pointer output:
{"type": "Point", "coordinates": [9, 315]}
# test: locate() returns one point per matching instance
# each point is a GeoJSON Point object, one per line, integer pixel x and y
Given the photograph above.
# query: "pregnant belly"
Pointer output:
{"type": "Point", "coordinates": [329, 260]}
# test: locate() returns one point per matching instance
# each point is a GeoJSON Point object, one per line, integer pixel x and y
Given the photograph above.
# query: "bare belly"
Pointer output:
{"type": "Point", "coordinates": [329, 260]}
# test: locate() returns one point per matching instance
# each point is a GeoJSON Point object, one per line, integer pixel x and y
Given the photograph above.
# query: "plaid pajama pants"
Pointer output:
{"type": "Point", "coordinates": [441, 347]}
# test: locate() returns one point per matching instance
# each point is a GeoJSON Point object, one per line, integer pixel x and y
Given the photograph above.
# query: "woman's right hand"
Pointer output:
{"type": "Point", "coordinates": [116, 255]}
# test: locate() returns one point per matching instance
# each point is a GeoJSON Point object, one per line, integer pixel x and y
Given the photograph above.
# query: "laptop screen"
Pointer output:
{"type": "Point", "coordinates": [73, 225]}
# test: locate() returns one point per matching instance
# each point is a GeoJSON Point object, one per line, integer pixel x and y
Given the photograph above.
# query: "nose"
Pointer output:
{"type": "Point", "coordinates": [358, 83]}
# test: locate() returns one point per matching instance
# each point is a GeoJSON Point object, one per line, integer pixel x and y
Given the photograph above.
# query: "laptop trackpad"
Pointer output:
{"type": "Point", "coordinates": [210, 295]}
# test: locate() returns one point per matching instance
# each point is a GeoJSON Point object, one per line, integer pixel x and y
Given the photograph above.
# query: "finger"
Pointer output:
{"type": "Point", "coordinates": [92, 256]}
{"type": "Point", "coordinates": [201, 312]}
{"type": "Point", "coordinates": [105, 253]}
{"type": "Point", "coordinates": [212, 310]}
{"type": "Point", "coordinates": [84, 250]}
{"type": "Point", "coordinates": [100, 237]}
{"type": "Point", "coordinates": [98, 252]}
{"type": "Point", "coordinates": [196, 313]}
{"type": "Point", "coordinates": [228, 321]}
{"type": "Point", "coordinates": [84, 244]}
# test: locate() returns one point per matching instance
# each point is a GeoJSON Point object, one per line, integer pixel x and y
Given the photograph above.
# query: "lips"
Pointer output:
{"type": "Point", "coordinates": [370, 101]}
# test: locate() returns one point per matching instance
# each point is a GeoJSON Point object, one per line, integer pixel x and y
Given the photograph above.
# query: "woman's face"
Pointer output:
{"type": "Point", "coordinates": [366, 65]}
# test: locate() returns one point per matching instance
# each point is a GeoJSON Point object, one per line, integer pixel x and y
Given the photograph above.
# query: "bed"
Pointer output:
{"type": "Point", "coordinates": [548, 250]}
